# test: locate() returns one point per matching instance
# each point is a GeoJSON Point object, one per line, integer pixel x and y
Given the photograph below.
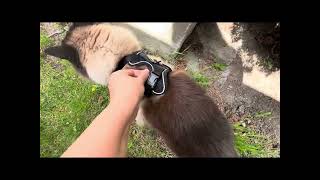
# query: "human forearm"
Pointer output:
{"type": "Point", "coordinates": [107, 134]}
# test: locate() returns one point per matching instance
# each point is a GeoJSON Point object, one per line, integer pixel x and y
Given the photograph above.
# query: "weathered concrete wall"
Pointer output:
{"type": "Point", "coordinates": [160, 38]}
{"type": "Point", "coordinates": [229, 43]}
{"type": "Point", "coordinates": [256, 78]}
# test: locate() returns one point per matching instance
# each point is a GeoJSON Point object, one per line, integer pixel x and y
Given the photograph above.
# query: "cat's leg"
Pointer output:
{"type": "Point", "coordinates": [140, 118]}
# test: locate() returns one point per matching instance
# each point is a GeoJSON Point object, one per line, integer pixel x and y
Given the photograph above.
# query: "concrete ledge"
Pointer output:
{"type": "Point", "coordinates": [267, 83]}
{"type": "Point", "coordinates": [232, 42]}
{"type": "Point", "coordinates": [160, 38]}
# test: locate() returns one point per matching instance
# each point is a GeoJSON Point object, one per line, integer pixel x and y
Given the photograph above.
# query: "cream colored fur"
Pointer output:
{"type": "Point", "coordinates": [101, 47]}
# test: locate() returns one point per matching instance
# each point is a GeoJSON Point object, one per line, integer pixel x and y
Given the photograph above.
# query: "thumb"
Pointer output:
{"type": "Point", "coordinates": [142, 74]}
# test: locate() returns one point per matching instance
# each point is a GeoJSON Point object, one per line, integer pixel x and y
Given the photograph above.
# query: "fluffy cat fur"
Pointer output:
{"type": "Point", "coordinates": [95, 49]}
{"type": "Point", "coordinates": [188, 120]}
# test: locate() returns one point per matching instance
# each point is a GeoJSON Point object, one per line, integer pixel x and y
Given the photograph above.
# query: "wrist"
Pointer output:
{"type": "Point", "coordinates": [123, 112]}
{"type": "Point", "coordinates": [125, 104]}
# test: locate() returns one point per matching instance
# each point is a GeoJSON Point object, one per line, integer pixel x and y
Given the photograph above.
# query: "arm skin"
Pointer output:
{"type": "Point", "coordinates": [107, 135]}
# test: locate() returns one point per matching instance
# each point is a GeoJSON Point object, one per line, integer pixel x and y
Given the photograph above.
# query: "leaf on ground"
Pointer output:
{"type": "Point", "coordinates": [219, 66]}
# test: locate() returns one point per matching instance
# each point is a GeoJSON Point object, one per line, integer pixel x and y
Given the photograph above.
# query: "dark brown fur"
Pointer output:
{"type": "Point", "coordinates": [189, 121]}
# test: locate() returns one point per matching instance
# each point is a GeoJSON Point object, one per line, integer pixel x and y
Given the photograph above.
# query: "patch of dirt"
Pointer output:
{"type": "Point", "coordinates": [57, 32]}
{"type": "Point", "coordinates": [180, 64]}
{"type": "Point", "coordinates": [161, 141]}
{"type": "Point", "coordinates": [216, 96]}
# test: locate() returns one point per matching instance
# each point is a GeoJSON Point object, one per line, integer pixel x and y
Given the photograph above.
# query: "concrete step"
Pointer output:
{"type": "Point", "coordinates": [160, 38]}
{"type": "Point", "coordinates": [231, 42]}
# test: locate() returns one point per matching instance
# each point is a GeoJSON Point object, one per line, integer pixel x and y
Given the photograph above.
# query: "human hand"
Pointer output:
{"type": "Point", "coordinates": [127, 86]}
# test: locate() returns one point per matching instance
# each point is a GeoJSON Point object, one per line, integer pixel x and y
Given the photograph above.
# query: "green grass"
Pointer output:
{"type": "Point", "coordinates": [68, 103]}
{"type": "Point", "coordinates": [173, 57]}
{"type": "Point", "coordinates": [202, 80]}
{"type": "Point", "coordinates": [45, 41]}
{"type": "Point", "coordinates": [143, 142]}
{"type": "Point", "coordinates": [251, 144]}
{"type": "Point", "coordinates": [219, 66]}
{"type": "Point", "coordinates": [263, 114]}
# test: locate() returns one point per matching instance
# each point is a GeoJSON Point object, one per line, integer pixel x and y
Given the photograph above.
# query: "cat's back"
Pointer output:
{"type": "Point", "coordinates": [189, 120]}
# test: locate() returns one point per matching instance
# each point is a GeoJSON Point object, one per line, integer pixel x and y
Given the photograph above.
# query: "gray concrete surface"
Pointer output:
{"type": "Point", "coordinates": [161, 38]}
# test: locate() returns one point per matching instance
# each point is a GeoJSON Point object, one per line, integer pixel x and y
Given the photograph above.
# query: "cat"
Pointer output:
{"type": "Point", "coordinates": [187, 119]}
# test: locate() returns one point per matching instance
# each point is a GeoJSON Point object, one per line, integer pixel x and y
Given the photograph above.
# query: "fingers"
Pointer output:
{"type": "Point", "coordinates": [142, 74]}
{"type": "Point", "coordinates": [129, 72]}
